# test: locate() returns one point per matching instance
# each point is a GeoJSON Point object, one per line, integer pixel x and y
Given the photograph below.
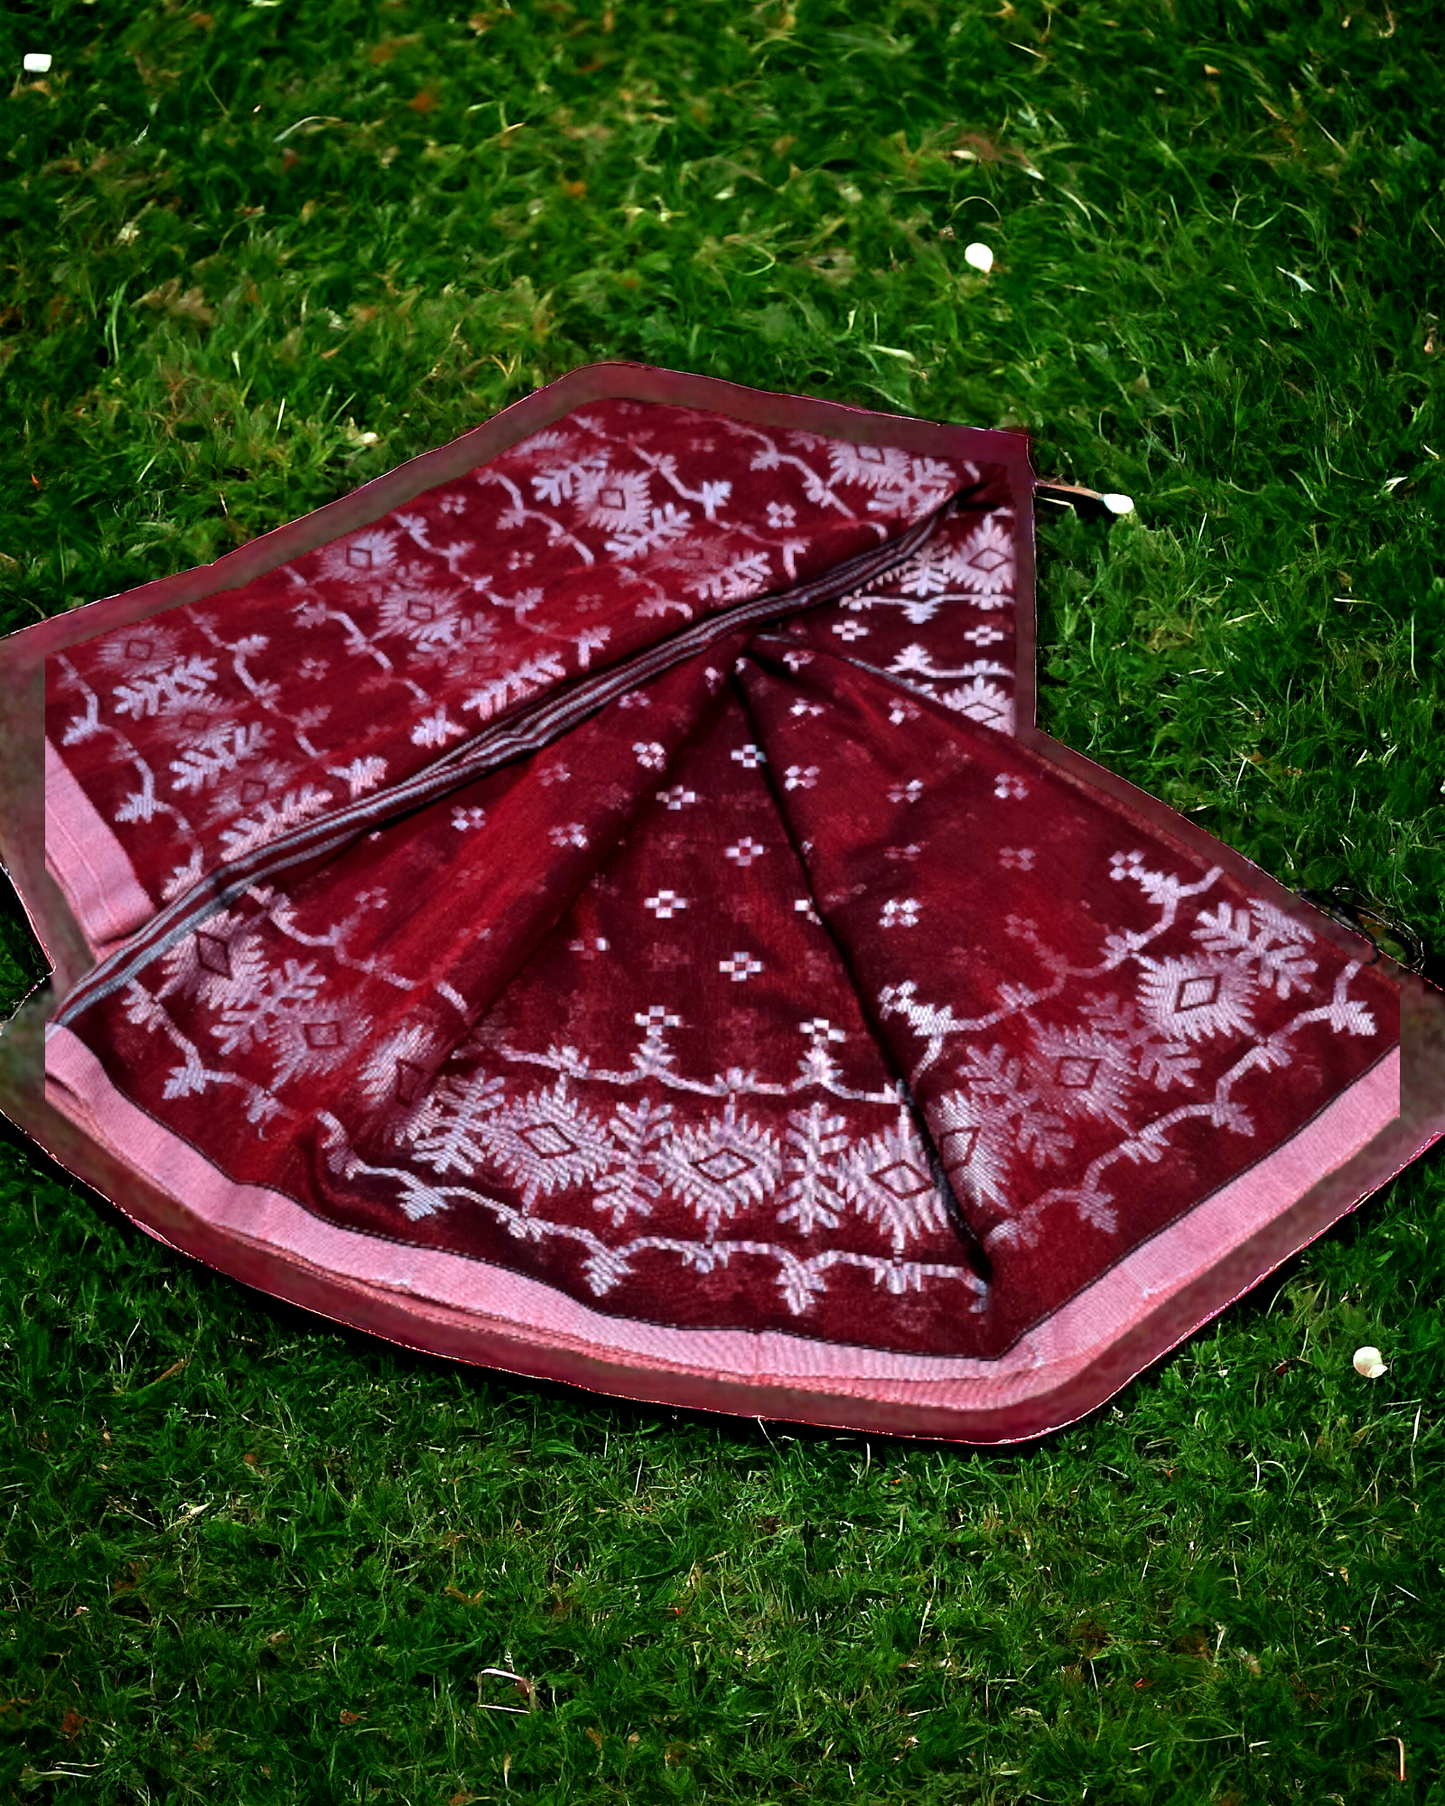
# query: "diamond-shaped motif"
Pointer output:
{"type": "Point", "coordinates": [723, 1165]}
{"type": "Point", "coordinates": [1075, 1073]}
{"type": "Point", "coordinates": [612, 498]}
{"type": "Point", "coordinates": [137, 648]}
{"type": "Point", "coordinates": [409, 1080]}
{"type": "Point", "coordinates": [322, 1034]}
{"type": "Point", "coordinates": [988, 559]}
{"type": "Point", "coordinates": [421, 611]}
{"type": "Point", "coordinates": [957, 1146]}
{"type": "Point", "coordinates": [903, 1180]}
{"type": "Point", "coordinates": [547, 1141]}
{"type": "Point", "coordinates": [1197, 992]}
{"type": "Point", "coordinates": [253, 790]}
{"type": "Point", "coordinates": [213, 955]}
{"type": "Point", "coordinates": [359, 558]}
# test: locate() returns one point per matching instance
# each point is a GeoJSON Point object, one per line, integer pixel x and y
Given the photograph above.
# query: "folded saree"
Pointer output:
{"type": "Point", "coordinates": [594, 902]}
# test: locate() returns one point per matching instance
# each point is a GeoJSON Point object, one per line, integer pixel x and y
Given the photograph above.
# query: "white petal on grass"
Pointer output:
{"type": "Point", "coordinates": [1118, 504]}
{"type": "Point", "coordinates": [37, 62]}
{"type": "Point", "coordinates": [1369, 1363]}
{"type": "Point", "coordinates": [978, 257]}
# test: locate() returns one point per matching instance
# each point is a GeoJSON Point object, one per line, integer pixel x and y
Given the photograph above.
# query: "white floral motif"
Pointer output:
{"type": "Point", "coordinates": [741, 967]}
{"type": "Point", "coordinates": [896, 479]}
{"type": "Point", "coordinates": [273, 817]}
{"type": "Point", "coordinates": [800, 777]}
{"type": "Point", "coordinates": [1083, 1072]}
{"type": "Point", "coordinates": [360, 558]}
{"type": "Point", "coordinates": [398, 1070]}
{"type": "Point", "coordinates": [985, 563]}
{"type": "Point", "coordinates": [745, 851]}
{"type": "Point", "coordinates": [900, 912]}
{"type": "Point", "coordinates": [533, 674]}
{"type": "Point", "coordinates": [415, 610]}
{"type": "Point", "coordinates": [741, 577]}
{"type": "Point", "coordinates": [547, 1142]}
{"type": "Point", "coordinates": [1196, 998]}
{"type": "Point", "coordinates": [749, 757]}
{"type": "Point", "coordinates": [677, 798]}
{"type": "Point", "coordinates": [186, 684]}
{"type": "Point", "coordinates": [721, 1167]}
{"type": "Point", "coordinates": [665, 905]}
{"type": "Point", "coordinates": [436, 729]}
{"type": "Point", "coordinates": [651, 756]}
{"type": "Point", "coordinates": [983, 701]}
{"type": "Point", "coordinates": [360, 775]}
{"type": "Point", "coordinates": [813, 1191]}
{"type": "Point", "coordinates": [1264, 936]}
{"type": "Point", "coordinates": [218, 751]}
{"type": "Point", "coordinates": [633, 1185]}
{"type": "Point", "coordinates": [1007, 786]}
{"type": "Point", "coordinates": [886, 1180]}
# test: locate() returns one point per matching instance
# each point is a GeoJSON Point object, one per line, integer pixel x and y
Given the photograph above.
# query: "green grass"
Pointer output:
{"type": "Point", "coordinates": [248, 1558]}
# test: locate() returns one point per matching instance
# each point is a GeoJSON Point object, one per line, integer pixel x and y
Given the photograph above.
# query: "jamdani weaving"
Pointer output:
{"type": "Point", "coordinates": [594, 902]}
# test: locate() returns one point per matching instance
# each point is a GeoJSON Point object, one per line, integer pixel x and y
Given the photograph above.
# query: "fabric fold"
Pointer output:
{"type": "Point", "coordinates": [1090, 1002]}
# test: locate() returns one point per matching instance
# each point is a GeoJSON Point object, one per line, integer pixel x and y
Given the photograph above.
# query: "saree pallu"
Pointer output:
{"type": "Point", "coordinates": [594, 902]}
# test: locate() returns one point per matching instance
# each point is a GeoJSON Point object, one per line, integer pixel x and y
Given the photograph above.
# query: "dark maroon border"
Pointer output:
{"type": "Point", "coordinates": [452, 1334]}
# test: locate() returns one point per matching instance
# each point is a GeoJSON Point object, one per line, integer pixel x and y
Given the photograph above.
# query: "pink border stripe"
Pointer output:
{"type": "Point", "coordinates": [536, 1314]}
{"type": "Point", "coordinates": [87, 861]}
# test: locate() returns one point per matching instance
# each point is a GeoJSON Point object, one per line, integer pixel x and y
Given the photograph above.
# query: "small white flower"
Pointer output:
{"type": "Point", "coordinates": [740, 967]}
{"type": "Point", "coordinates": [978, 257]}
{"type": "Point", "coordinates": [37, 62]}
{"type": "Point", "coordinates": [665, 904]}
{"type": "Point", "coordinates": [1118, 504]}
{"type": "Point", "coordinates": [800, 777]}
{"type": "Point", "coordinates": [1369, 1364]}
{"type": "Point", "coordinates": [899, 912]}
{"type": "Point", "coordinates": [650, 756]}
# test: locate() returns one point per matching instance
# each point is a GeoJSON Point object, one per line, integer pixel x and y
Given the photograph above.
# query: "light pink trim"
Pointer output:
{"type": "Point", "coordinates": [89, 864]}
{"type": "Point", "coordinates": [534, 1314]}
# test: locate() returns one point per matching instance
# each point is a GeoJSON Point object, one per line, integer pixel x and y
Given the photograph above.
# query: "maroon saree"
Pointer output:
{"type": "Point", "coordinates": [594, 903]}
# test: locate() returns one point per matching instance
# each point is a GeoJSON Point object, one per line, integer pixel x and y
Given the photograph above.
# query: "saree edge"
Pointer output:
{"type": "Point", "coordinates": [1376, 1130]}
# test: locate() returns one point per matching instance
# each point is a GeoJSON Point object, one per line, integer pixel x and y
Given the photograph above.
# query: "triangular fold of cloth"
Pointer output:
{"type": "Point", "coordinates": [600, 906]}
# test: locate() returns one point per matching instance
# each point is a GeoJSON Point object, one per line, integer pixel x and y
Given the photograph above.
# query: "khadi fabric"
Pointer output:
{"type": "Point", "coordinates": [598, 905]}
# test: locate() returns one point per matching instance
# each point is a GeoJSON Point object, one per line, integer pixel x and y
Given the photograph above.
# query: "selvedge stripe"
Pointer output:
{"type": "Point", "coordinates": [527, 732]}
